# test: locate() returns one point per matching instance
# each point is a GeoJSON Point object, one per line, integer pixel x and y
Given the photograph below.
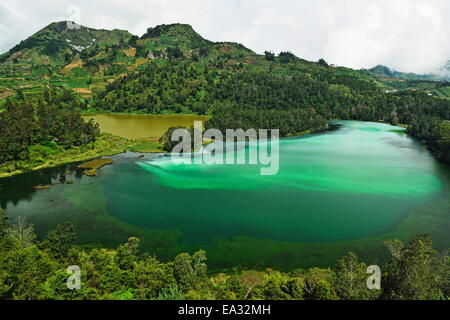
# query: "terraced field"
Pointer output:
{"type": "Point", "coordinates": [443, 92]}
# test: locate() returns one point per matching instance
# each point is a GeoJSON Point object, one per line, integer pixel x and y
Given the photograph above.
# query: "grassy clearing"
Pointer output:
{"type": "Point", "coordinates": [5, 92]}
{"type": "Point", "coordinates": [91, 167]}
{"type": "Point", "coordinates": [147, 146]}
{"type": "Point", "coordinates": [445, 91]}
{"type": "Point", "coordinates": [106, 145]}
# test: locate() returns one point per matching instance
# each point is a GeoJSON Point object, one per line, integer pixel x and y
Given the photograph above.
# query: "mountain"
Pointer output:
{"type": "Point", "coordinates": [157, 40]}
{"type": "Point", "coordinates": [435, 84]}
{"type": "Point", "coordinates": [181, 35]}
{"type": "Point", "coordinates": [58, 44]}
{"type": "Point", "coordinates": [173, 69]}
{"type": "Point", "coordinates": [66, 54]}
{"type": "Point", "coordinates": [87, 60]}
{"type": "Point", "coordinates": [442, 74]}
{"type": "Point", "coordinates": [383, 71]}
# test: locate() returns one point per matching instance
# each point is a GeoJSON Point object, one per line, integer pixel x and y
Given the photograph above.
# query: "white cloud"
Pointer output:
{"type": "Point", "coordinates": [408, 35]}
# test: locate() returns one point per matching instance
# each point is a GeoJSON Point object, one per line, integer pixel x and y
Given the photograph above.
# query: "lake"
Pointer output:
{"type": "Point", "coordinates": [142, 126]}
{"type": "Point", "coordinates": [345, 190]}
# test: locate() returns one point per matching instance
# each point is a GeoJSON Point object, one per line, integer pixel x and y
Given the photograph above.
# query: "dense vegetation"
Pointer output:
{"type": "Point", "coordinates": [31, 269]}
{"type": "Point", "coordinates": [434, 133]}
{"type": "Point", "coordinates": [33, 128]}
{"type": "Point", "coordinates": [241, 89]}
{"type": "Point", "coordinates": [57, 44]}
{"type": "Point", "coordinates": [173, 87]}
{"type": "Point", "coordinates": [172, 69]}
{"type": "Point", "coordinates": [250, 97]}
{"type": "Point", "coordinates": [168, 144]}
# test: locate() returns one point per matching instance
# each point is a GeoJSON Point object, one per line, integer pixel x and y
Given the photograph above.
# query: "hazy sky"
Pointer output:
{"type": "Point", "coordinates": [408, 35]}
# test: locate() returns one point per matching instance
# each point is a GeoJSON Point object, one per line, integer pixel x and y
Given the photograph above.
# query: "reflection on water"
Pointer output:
{"type": "Point", "coordinates": [22, 187]}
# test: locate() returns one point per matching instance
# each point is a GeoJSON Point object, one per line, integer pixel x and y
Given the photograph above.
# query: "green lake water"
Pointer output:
{"type": "Point", "coordinates": [348, 189]}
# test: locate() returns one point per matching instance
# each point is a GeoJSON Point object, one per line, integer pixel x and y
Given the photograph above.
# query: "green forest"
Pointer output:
{"type": "Point", "coordinates": [249, 98]}
{"type": "Point", "coordinates": [172, 69]}
{"type": "Point", "coordinates": [34, 128]}
{"type": "Point", "coordinates": [32, 269]}
{"type": "Point", "coordinates": [46, 85]}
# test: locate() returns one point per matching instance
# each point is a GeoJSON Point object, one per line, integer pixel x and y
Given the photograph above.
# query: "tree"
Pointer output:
{"type": "Point", "coordinates": [167, 139]}
{"type": "Point", "coordinates": [204, 51]}
{"type": "Point", "coordinates": [20, 94]}
{"type": "Point", "coordinates": [415, 271]}
{"type": "Point", "coordinates": [323, 290]}
{"type": "Point", "coordinates": [25, 270]}
{"type": "Point", "coordinates": [323, 63]}
{"type": "Point", "coordinates": [269, 55]}
{"type": "Point", "coordinates": [55, 288]}
{"type": "Point", "coordinates": [278, 286]}
{"type": "Point", "coordinates": [133, 40]}
{"type": "Point", "coordinates": [175, 53]}
{"type": "Point", "coordinates": [286, 57]}
{"type": "Point", "coordinates": [3, 223]}
{"type": "Point", "coordinates": [317, 284]}
{"type": "Point", "coordinates": [393, 117]}
{"type": "Point", "coordinates": [59, 241]}
{"type": "Point", "coordinates": [50, 121]}
{"type": "Point", "coordinates": [190, 271]}
{"type": "Point", "coordinates": [249, 280]}
{"type": "Point", "coordinates": [126, 257]}
{"type": "Point", "coordinates": [22, 232]}
{"type": "Point", "coordinates": [350, 279]}
{"type": "Point", "coordinates": [171, 293]}
{"type": "Point", "coordinates": [154, 279]}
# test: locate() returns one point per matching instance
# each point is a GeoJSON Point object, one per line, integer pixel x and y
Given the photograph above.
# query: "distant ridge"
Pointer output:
{"type": "Point", "coordinates": [57, 43]}
{"type": "Point", "coordinates": [87, 60]}
{"type": "Point", "coordinates": [441, 74]}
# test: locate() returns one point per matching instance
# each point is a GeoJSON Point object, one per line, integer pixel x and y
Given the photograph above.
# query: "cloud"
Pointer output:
{"type": "Point", "coordinates": [407, 35]}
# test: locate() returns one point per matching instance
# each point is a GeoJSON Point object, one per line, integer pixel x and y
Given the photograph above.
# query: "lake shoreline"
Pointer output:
{"type": "Point", "coordinates": [117, 145]}
{"type": "Point", "coordinates": [106, 146]}
{"type": "Point", "coordinates": [99, 225]}
{"type": "Point", "coordinates": [111, 145]}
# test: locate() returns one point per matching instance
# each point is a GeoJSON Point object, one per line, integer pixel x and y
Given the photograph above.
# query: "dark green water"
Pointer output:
{"type": "Point", "coordinates": [358, 182]}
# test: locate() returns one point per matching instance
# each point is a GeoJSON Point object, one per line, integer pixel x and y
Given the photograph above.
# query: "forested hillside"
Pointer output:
{"type": "Point", "coordinates": [172, 69]}
{"type": "Point", "coordinates": [60, 42]}
{"type": "Point", "coordinates": [436, 84]}
{"type": "Point", "coordinates": [37, 270]}
{"type": "Point", "coordinates": [262, 97]}
{"type": "Point", "coordinates": [49, 79]}
{"type": "Point", "coordinates": [34, 128]}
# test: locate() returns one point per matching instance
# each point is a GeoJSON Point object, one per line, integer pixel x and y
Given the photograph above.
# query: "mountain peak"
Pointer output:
{"type": "Point", "coordinates": [171, 30]}
{"type": "Point", "coordinates": [382, 70]}
{"type": "Point", "coordinates": [178, 35]}
{"type": "Point", "coordinates": [58, 40]}
{"type": "Point", "coordinates": [440, 75]}
{"type": "Point", "coordinates": [63, 25]}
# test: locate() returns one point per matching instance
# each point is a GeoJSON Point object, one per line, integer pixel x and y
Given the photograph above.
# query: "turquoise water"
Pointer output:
{"type": "Point", "coordinates": [359, 181]}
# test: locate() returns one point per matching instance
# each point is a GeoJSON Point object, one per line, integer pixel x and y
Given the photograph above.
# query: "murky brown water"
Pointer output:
{"type": "Point", "coordinates": [142, 126]}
